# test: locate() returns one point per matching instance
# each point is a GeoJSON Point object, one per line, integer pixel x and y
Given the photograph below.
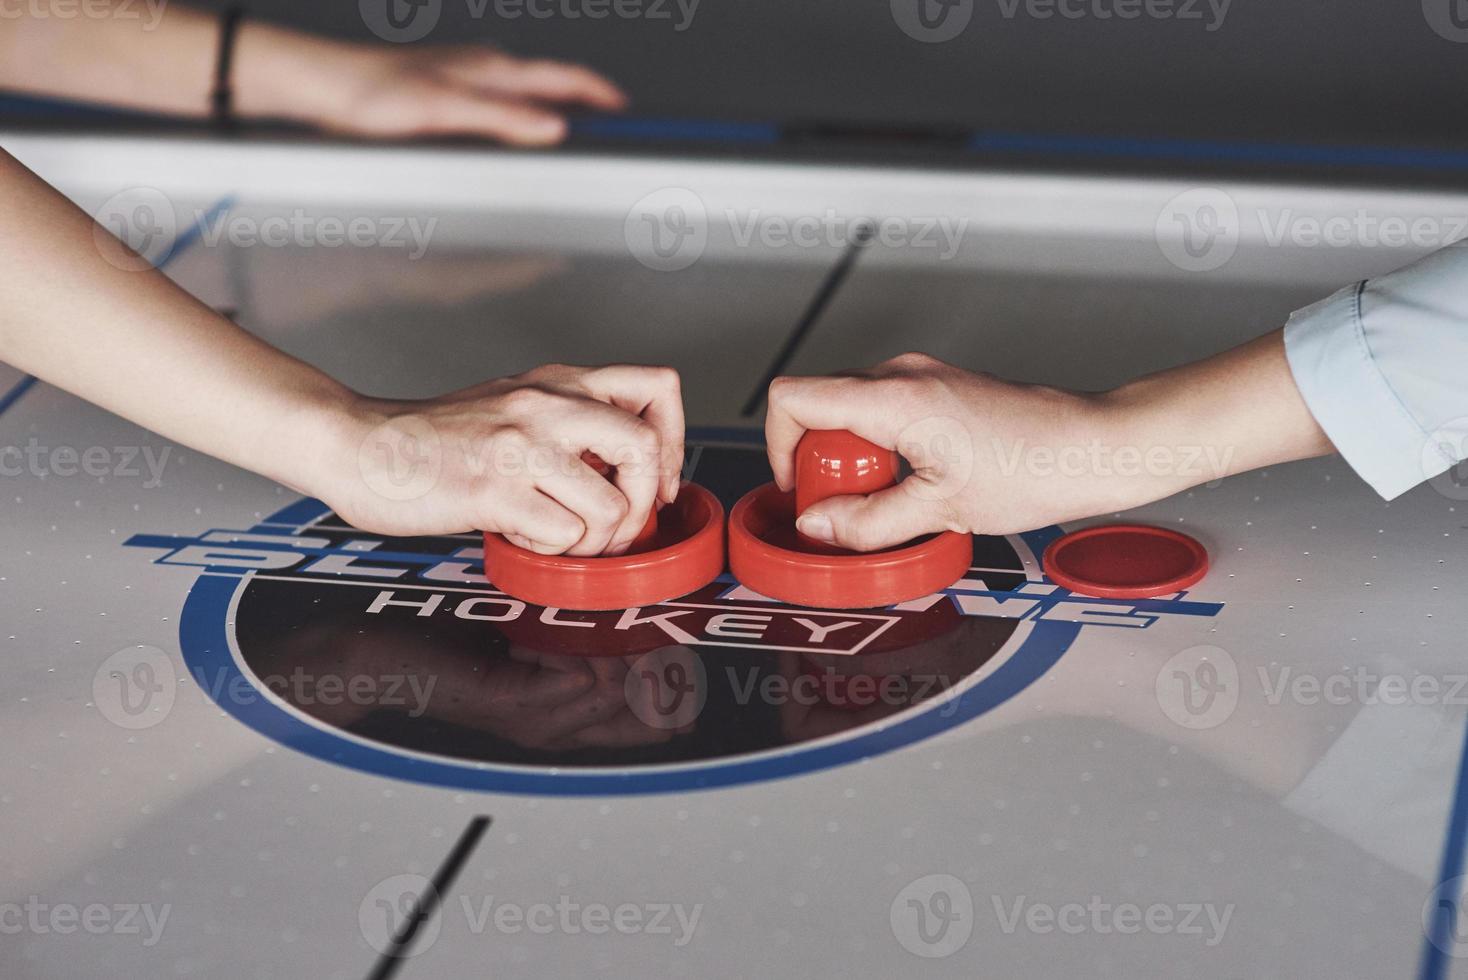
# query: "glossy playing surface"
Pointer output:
{"type": "Point", "coordinates": [241, 737]}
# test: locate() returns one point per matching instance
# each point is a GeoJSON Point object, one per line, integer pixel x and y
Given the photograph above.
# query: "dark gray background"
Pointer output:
{"type": "Point", "coordinates": [1368, 71]}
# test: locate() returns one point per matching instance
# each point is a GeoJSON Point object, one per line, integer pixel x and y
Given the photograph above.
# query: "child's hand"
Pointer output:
{"type": "Point", "coordinates": [506, 456]}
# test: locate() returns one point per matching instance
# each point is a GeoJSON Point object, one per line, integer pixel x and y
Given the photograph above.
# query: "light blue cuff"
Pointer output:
{"type": "Point", "coordinates": [1346, 391]}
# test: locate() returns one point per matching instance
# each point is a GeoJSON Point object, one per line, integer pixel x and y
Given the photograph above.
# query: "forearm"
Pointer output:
{"type": "Point", "coordinates": [1230, 413]}
{"type": "Point", "coordinates": [136, 344]}
{"type": "Point", "coordinates": [158, 58]}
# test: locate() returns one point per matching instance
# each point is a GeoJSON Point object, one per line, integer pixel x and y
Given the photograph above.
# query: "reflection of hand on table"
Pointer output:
{"type": "Point", "coordinates": [538, 701]}
{"type": "Point", "coordinates": [549, 702]}
{"type": "Point", "coordinates": [841, 692]}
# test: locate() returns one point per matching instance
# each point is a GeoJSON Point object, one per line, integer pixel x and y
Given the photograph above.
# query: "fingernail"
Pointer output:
{"type": "Point", "coordinates": [816, 526]}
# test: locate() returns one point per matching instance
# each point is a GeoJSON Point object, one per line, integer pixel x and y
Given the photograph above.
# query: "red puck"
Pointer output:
{"type": "Point", "coordinates": [1125, 561]}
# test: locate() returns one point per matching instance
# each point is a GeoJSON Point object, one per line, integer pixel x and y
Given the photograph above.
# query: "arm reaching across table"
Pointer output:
{"type": "Point", "coordinates": [502, 456]}
{"type": "Point", "coordinates": [994, 457]}
{"type": "Point", "coordinates": [1378, 372]}
{"type": "Point", "coordinates": [1375, 371]}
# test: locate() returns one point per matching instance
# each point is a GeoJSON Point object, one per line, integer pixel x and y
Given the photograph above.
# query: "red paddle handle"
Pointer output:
{"type": "Point", "coordinates": [834, 462]}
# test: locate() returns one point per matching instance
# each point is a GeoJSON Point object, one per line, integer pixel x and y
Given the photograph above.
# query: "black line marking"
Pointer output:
{"type": "Point", "coordinates": [392, 959]}
{"type": "Point", "coordinates": [813, 312]}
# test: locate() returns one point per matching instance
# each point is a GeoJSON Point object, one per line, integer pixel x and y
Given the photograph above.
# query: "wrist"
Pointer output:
{"type": "Point", "coordinates": [285, 74]}
{"type": "Point", "coordinates": [326, 430]}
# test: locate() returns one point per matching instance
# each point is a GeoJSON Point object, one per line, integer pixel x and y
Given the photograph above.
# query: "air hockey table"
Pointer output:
{"type": "Point", "coordinates": [247, 740]}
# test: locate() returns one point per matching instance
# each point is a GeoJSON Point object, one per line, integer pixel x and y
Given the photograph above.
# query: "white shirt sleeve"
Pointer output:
{"type": "Point", "coordinates": [1383, 367]}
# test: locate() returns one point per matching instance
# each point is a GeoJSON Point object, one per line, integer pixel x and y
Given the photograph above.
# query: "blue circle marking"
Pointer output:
{"type": "Point", "coordinates": [205, 641]}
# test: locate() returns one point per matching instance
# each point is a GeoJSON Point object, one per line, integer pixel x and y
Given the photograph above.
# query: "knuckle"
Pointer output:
{"type": "Point", "coordinates": [525, 401]}
{"type": "Point", "coordinates": [641, 451]}
{"type": "Point", "coordinates": [782, 387]}
{"type": "Point", "coordinates": [639, 439]}
{"type": "Point", "coordinates": [566, 533]}
{"type": "Point", "coordinates": [914, 360]}
{"type": "Point", "coordinates": [610, 508]}
{"type": "Point", "coordinates": [666, 378]}
{"type": "Point", "coordinates": [644, 434]}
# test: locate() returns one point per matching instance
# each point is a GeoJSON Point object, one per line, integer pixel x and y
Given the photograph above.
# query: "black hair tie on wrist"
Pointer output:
{"type": "Point", "coordinates": [222, 98]}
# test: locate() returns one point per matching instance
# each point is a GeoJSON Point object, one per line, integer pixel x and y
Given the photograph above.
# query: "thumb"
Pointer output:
{"type": "Point", "coordinates": [870, 522]}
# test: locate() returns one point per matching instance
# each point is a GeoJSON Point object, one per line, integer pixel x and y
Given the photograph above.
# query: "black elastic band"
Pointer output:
{"type": "Point", "coordinates": [222, 98]}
